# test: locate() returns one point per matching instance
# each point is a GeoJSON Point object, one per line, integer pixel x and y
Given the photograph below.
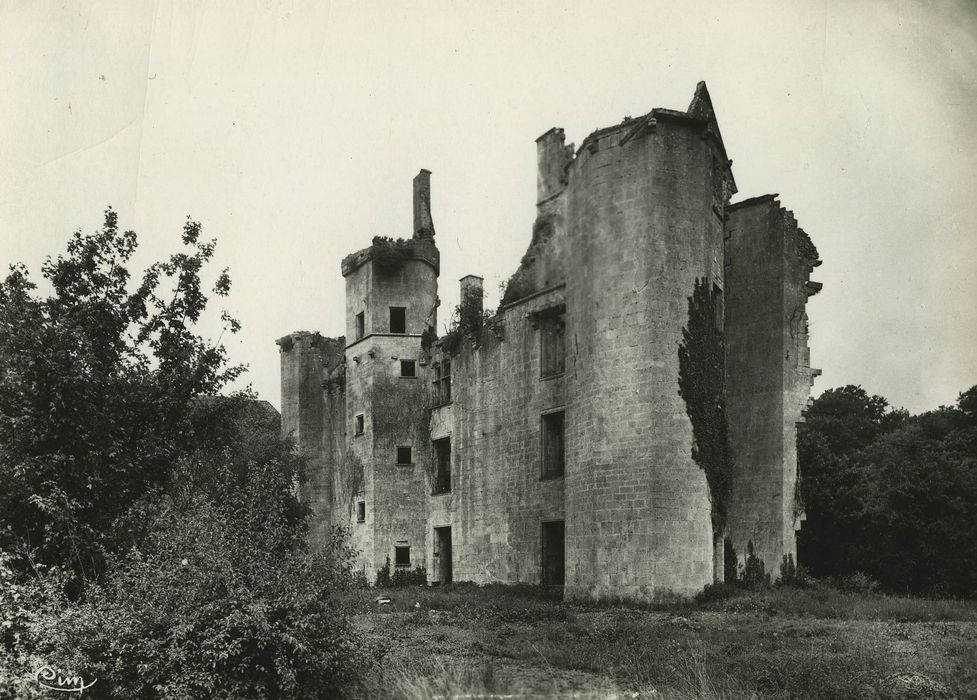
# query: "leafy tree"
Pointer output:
{"type": "Point", "coordinates": [889, 494]}
{"type": "Point", "coordinates": [97, 378]}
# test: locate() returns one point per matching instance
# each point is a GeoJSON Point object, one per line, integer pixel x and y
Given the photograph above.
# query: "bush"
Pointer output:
{"type": "Point", "coordinates": [795, 576]}
{"type": "Point", "coordinates": [754, 575]}
{"type": "Point", "coordinates": [715, 592]}
{"type": "Point", "coordinates": [858, 582]}
{"type": "Point", "coordinates": [400, 577]}
{"type": "Point", "coordinates": [208, 612]}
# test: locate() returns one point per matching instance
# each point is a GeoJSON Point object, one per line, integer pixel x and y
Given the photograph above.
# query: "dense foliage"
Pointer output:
{"type": "Point", "coordinates": [889, 494]}
{"type": "Point", "coordinates": [702, 383]}
{"type": "Point", "coordinates": [150, 535]}
{"type": "Point", "coordinates": [96, 383]}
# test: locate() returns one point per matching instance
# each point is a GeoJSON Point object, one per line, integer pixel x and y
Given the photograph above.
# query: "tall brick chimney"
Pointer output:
{"type": "Point", "coordinates": [423, 225]}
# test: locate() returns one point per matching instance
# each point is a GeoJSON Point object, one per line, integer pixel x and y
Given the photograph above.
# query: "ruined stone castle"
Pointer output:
{"type": "Point", "coordinates": [547, 442]}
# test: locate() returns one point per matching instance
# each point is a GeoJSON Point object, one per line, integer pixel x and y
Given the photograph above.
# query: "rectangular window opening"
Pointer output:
{"type": "Point", "coordinates": [402, 556]}
{"type": "Point", "coordinates": [360, 325]}
{"type": "Point", "coordinates": [552, 347]}
{"type": "Point", "coordinates": [552, 444]}
{"type": "Point", "coordinates": [361, 511]}
{"type": "Point", "coordinates": [358, 424]}
{"type": "Point", "coordinates": [408, 368]}
{"type": "Point", "coordinates": [442, 465]}
{"type": "Point", "coordinates": [404, 456]}
{"type": "Point", "coordinates": [442, 383]}
{"type": "Point", "coordinates": [398, 319]}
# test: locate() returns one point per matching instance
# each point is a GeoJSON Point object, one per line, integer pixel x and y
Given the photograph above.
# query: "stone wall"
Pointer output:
{"type": "Point", "coordinates": [768, 373]}
{"type": "Point", "coordinates": [498, 500]}
{"type": "Point", "coordinates": [642, 227]}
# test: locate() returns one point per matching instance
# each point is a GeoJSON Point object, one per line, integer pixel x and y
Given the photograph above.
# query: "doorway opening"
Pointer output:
{"type": "Point", "coordinates": [554, 553]}
{"type": "Point", "coordinates": [442, 554]}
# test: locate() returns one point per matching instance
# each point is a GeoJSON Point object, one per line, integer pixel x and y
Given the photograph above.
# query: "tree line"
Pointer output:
{"type": "Point", "coordinates": [889, 494]}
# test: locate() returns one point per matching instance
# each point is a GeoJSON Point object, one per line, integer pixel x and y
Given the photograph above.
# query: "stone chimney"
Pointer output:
{"type": "Point", "coordinates": [423, 225]}
{"type": "Point", "coordinates": [472, 296]}
{"type": "Point", "coordinates": [552, 159]}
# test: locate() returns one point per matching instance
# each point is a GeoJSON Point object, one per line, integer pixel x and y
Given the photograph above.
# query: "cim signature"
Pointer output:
{"type": "Point", "coordinates": [52, 679]}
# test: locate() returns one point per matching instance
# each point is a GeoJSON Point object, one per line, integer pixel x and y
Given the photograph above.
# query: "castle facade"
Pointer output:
{"type": "Point", "coordinates": [561, 440]}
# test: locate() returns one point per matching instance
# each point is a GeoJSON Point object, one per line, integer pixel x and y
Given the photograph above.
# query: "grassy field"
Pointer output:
{"type": "Point", "coordinates": [468, 641]}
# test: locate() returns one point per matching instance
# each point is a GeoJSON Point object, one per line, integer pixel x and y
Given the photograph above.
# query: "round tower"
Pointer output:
{"type": "Point", "coordinates": [644, 216]}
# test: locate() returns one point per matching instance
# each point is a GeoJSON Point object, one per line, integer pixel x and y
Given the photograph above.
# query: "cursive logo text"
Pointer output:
{"type": "Point", "coordinates": [52, 679]}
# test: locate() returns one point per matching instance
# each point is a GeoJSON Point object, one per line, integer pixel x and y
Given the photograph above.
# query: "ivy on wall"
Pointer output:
{"type": "Point", "coordinates": [469, 321]}
{"type": "Point", "coordinates": [400, 408]}
{"type": "Point", "coordinates": [702, 380]}
{"type": "Point", "coordinates": [349, 478]}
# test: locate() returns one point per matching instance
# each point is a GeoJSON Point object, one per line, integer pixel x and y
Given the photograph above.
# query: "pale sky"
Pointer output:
{"type": "Point", "coordinates": [292, 131]}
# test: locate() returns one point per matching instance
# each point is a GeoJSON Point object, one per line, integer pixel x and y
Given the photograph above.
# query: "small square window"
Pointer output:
{"type": "Point", "coordinates": [361, 511]}
{"type": "Point", "coordinates": [398, 319]}
{"type": "Point", "coordinates": [358, 425]}
{"type": "Point", "coordinates": [404, 455]}
{"type": "Point", "coordinates": [360, 325]}
{"type": "Point", "coordinates": [408, 368]}
{"type": "Point", "coordinates": [402, 555]}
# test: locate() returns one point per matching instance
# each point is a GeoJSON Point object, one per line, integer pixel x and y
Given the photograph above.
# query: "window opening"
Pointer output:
{"type": "Point", "coordinates": [442, 456]}
{"type": "Point", "coordinates": [402, 555]}
{"type": "Point", "coordinates": [398, 319]}
{"type": "Point", "coordinates": [552, 444]}
{"type": "Point", "coordinates": [442, 383]}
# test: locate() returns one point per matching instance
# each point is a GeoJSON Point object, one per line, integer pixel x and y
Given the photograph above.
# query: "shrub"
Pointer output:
{"type": "Point", "coordinates": [715, 592]}
{"type": "Point", "coordinates": [207, 612]}
{"type": "Point", "coordinates": [408, 577]}
{"type": "Point", "coordinates": [390, 254]}
{"type": "Point", "coordinates": [400, 577]}
{"type": "Point", "coordinates": [858, 582]}
{"type": "Point", "coordinates": [754, 575]}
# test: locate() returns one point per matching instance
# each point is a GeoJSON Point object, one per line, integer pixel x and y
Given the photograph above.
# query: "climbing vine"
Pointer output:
{"type": "Point", "coordinates": [400, 408]}
{"type": "Point", "coordinates": [349, 478]}
{"type": "Point", "coordinates": [469, 321]}
{"type": "Point", "coordinates": [701, 380]}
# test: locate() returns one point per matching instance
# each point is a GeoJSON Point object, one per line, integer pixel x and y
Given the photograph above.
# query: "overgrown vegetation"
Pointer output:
{"type": "Point", "coordinates": [97, 380]}
{"type": "Point", "coordinates": [702, 382]}
{"type": "Point", "coordinates": [150, 537]}
{"type": "Point", "coordinates": [401, 576]}
{"type": "Point", "coordinates": [469, 322]}
{"type": "Point", "coordinates": [522, 282]}
{"type": "Point", "coordinates": [774, 642]}
{"type": "Point", "coordinates": [390, 254]}
{"type": "Point", "coordinates": [888, 495]}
